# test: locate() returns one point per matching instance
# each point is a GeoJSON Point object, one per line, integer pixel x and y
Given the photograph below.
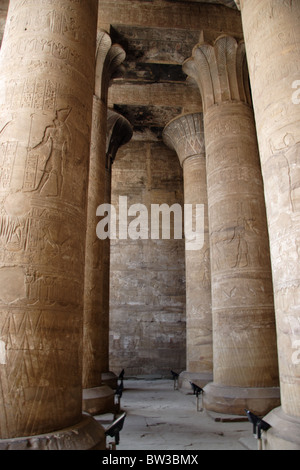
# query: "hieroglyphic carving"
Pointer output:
{"type": "Point", "coordinates": [37, 94]}
{"type": "Point", "coordinates": [53, 49]}
{"type": "Point", "coordinates": [54, 21]}
{"type": "Point", "coordinates": [185, 135]}
{"type": "Point", "coordinates": [287, 149]}
{"type": "Point", "coordinates": [239, 237]}
{"type": "Point", "coordinates": [8, 152]}
{"type": "Point", "coordinates": [47, 79]}
{"type": "Point", "coordinates": [57, 240]}
{"type": "Point", "coordinates": [63, 41]}
{"type": "Point", "coordinates": [13, 233]}
{"type": "Point", "coordinates": [271, 30]}
{"type": "Point", "coordinates": [241, 276]}
{"type": "Point", "coordinates": [45, 289]}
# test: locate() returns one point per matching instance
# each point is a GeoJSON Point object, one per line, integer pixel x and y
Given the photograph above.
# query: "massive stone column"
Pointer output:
{"type": "Point", "coordinates": [47, 78]}
{"type": "Point", "coordinates": [185, 135]}
{"type": "Point", "coordinates": [244, 339]}
{"type": "Point", "coordinates": [272, 39]}
{"type": "Point", "coordinates": [98, 397]}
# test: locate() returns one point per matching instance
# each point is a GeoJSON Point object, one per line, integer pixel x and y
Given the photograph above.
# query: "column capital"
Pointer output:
{"type": "Point", "coordinates": [109, 58]}
{"type": "Point", "coordinates": [220, 70]}
{"type": "Point", "coordinates": [119, 132]}
{"type": "Point", "coordinates": [185, 135]}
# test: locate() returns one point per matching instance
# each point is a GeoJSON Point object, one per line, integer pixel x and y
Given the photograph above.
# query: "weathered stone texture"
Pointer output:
{"type": "Point", "coordinates": [96, 283]}
{"type": "Point", "coordinates": [185, 135]}
{"type": "Point", "coordinates": [181, 15]}
{"type": "Point", "coordinates": [242, 291]}
{"type": "Point", "coordinates": [272, 38]}
{"type": "Point", "coordinates": [54, 271]}
{"type": "Point", "coordinates": [95, 295]}
{"type": "Point", "coordinates": [47, 78]}
{"type": "Point", "coordinates": [241, 276]}
{"type": "Point", "coordinates": [147, 317]}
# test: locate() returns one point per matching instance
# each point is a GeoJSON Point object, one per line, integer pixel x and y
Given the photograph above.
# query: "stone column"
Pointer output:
{"type": "Point", "coordinates": [244, 339]}
{"type": "Point", "coordinates": [47, 78]}
{"type": "Point", "coordinates": [272, 39]}
{"type": "Point", "coordinates": [118, 133]}
{"type": "Point", "coordinates": [185, 135]}
{"type": "Point", "coordinates": [98, 396]}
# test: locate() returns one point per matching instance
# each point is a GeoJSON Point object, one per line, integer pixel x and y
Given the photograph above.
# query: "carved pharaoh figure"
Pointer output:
{"type": "Point", "coordinates": [52, 152]}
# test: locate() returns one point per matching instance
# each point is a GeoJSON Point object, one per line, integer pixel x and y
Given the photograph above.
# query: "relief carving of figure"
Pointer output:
{"type": "Point", "coordinates": [13, 231]}
{"type": "Point", "coordinates": [242, 259]}
{"type": "Point", "coordinates": [50, 155]}
{"type": "Point", "coordinates": [288, 148]}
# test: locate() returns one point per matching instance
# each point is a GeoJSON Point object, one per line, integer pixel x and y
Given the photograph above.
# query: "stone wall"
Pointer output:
{"type": "Point", "coordinates": [147, 294]}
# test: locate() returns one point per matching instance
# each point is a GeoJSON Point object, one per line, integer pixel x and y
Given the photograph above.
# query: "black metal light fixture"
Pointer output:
{"type": "Point", "coordinates": [119, 390]}
{"type": "Point", "coordinates": [175, 378]}
{"type": "Point", "coordinates": [197, 391]}
{"type": "Point", "coordinates": [114, 430]}
{"type": "Point", "coordinates": [259, 425]}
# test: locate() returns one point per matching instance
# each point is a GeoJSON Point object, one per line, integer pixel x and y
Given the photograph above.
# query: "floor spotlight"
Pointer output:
{"type": "Point", "coordinates": [114, 431]}
{"type": "Point", "coordinates": [197, 391]}
{"type": "Point", "coordinates": [118, 395]}
{"type": "Point", "coordinates": [175, 378]}
{"type": "Point", "coordinates": [259, 425]}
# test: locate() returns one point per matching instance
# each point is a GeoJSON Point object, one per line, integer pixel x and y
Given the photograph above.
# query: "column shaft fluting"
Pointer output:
{"type": "Point", "coordinates": [185, 135]}
{"type": "Point", "coordinates": [47, 79]}
{"type": "Point", "coordinates": [244, 339]}
{"type": "Point", "coordinates": [272, 39]}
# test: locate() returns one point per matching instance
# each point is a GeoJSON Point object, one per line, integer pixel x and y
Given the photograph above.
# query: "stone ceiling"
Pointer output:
{"type": "Point", "coordinates": [158, 36]}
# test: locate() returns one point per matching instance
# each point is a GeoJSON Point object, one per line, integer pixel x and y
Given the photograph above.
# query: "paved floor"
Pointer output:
{"type": "Point", "coordinates": [161, 418]}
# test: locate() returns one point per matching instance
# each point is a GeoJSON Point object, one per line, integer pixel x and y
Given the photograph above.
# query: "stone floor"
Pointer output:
{"type": "Point", "coordinates": [161, 418]}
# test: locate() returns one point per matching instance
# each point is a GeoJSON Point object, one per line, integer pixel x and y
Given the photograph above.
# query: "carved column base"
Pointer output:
{"type": "Point", "coordinates": [284, 433]}
{"type": "Point", "coordinates": [86, 435]}
{"type": "Point", "coordinates": [110, 379]}
{"type": "Point", "coordinates": [98, 400]}
{"type": "Point", "coordinates": [234, 400]}
{"type": "Point", "coordinates": [198, 378]}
